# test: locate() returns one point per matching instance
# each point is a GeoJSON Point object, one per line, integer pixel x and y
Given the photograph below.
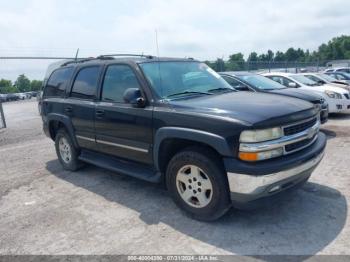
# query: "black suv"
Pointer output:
{"type": "Point", "coordinates": [177, 121]}
{"type": "Point", "coordinates": [245, 81]}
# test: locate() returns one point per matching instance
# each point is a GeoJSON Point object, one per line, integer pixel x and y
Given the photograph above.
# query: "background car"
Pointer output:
{"type": "Point", "coordinates": [3, 98]}
{"type": "Point", "coordinates": [245, 81]}
{"type": "Point", "coordinates": [12, 97]}
{"type": "Point", "coordinates": [338, 99]}
{"type": "Point", "coordinates": [21, 96]}
{"type": "Point", "coordinates": [323, 78]}
{"type": "Point", "coordinates": [341, 76]}
{"type": "Point", "coordinates": [338, 69]}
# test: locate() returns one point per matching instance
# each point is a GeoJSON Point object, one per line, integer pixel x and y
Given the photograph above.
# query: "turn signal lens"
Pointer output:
{"type": "Point", "coordinates": [256, 156]}
{"type": "Point", "coordinates": [248, 156]}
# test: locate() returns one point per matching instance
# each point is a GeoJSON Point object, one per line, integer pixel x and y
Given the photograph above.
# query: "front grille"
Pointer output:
{"type": "Point", "coordinates": [298, 145]}
{"type": "Point", "coordinates": [347, 96]}
{"type": "Point", "coordinates": [297, 128]}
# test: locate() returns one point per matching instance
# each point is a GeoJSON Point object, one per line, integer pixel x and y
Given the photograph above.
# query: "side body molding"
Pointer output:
{"type": "Point", "coordinates": [66, 121]}
{"type": "Point", "coordinates": [217, 142]}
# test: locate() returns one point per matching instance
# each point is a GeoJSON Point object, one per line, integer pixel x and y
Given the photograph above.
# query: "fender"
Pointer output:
{"type": "Point", "coordinates": [217, 142]}
{"type": "Point", "coordinates": [67, 123]}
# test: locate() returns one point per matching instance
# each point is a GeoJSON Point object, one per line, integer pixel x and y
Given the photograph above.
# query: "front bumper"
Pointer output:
{"type": "Point", "coordinates": [324, 113]}
{"type": "Point", "coordinates": [339, 106]}
{"type": "Point", "coordinates": [249, 182]}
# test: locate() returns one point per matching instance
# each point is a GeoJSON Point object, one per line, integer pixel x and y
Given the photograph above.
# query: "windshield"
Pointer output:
{"type": "Point", "coordinates": [304, 80]}
{"type": "Point", "coordinates": [261, 82]}
{"type": "Point", "coordinates": [346, 75]}
{"type": "Point", "coordinates": [182, 78]}
{"type": "Point", "coordinates": [326, 77]}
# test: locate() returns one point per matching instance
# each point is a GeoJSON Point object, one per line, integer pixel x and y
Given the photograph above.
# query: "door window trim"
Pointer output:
{"type": "Point", "coordinates": [76, 73]}
{"type": "Point", "coordinates": [103, 74]}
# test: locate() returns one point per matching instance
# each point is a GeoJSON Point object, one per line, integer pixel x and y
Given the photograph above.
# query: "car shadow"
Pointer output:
{"type": "Point", "coordinates": [330, 134]}
{"type": "Point", "coordinates": [303, 224]}
{"type": "Point", "coordinates": [339, 116]}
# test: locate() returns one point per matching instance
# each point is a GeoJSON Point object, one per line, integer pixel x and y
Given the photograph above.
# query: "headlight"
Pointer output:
{"type": "Point", "coordinates": [252, 136]}
{"type": "Point", "coordinates": [256, 156]}
{"type": "Point", "coordinates": [332, 94]}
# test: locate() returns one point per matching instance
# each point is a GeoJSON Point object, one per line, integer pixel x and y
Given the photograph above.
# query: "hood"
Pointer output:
{"type": "Point", "coordinates": [328, 87]}
{"type": "Point", "coordinates": [299, 93]}
{"type": "Point", "coordinates": [248, 107]}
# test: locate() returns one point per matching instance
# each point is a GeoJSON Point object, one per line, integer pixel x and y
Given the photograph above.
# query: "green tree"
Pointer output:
{"type": "Point", "coordinates": [6, 87]}
{"type": "Point", "coordinates": [35, 85]}
{"type": "Point", "coordinates": [253, 60]}
{"type": "Point", "coordinates": [236, 62]}
{"type": "Point", "coordinates": [22, 83]}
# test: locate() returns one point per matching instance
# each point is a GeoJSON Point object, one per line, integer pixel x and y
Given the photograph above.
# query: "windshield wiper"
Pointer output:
{"type": "Point", "coordinates": [221, 89]}
{"type": "Point", "coordinates": [189, 92]}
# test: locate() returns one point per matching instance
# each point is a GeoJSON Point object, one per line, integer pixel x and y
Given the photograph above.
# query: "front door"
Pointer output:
{"type": "Point", "coordinates": [80, 106]}
{"type": "Point", "coordinates": [121, 129]}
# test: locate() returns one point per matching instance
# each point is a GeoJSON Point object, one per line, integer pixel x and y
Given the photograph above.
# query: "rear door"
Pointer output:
{"type": "Point", "coordinates": [80, 105]}
{"type": "Point", "coordinates": [122, 130]}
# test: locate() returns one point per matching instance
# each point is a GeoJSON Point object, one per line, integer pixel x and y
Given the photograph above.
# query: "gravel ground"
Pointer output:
{"type": "Point", "coordinates": [46, 210]}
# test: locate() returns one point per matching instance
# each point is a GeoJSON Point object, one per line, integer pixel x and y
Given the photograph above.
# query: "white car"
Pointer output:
{"type": "Point", "coordinates": [322, 78]}
{"type": "Point", "coordinates": [338, 98]}
{"type": "Point", "coordinates": [21, 96]}
{"type": "Point", "coordinates": [338, 69]}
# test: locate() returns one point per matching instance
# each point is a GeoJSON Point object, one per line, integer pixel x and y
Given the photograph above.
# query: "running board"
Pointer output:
{"type": "Point", "coordinates": [129, 168]}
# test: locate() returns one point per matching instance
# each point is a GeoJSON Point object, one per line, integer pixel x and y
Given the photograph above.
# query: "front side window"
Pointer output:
{"type": "Point", "coordinates": [56, 85]}
{"type": "Point", "coordinates": [118, 78]}
{"type": "Point", "coordinates": [314, 78]}
{"type": "Point", "coordinates": [182, 78]}
{"type": "Point", "coordinates": [85, 83]}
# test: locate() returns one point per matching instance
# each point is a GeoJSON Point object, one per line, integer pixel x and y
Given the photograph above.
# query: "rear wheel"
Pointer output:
{"type": "Point", "coordinates": [66, 151]}
{"type": "Point", "coordinates": [198, 184]}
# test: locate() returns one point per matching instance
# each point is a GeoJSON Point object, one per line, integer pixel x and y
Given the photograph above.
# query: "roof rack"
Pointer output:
{"type": "Point", "coordinates": [75, 61]}
{"type": "Point", "coordinates": [103, 57]}
{"type": "Point", "coordinates": [126, 55]}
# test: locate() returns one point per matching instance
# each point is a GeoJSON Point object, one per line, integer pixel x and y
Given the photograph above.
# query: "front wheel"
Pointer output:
{"type": "Point", "coordinates": [198, 184]}
{"type": "Point", "coordinates": [66, 151]}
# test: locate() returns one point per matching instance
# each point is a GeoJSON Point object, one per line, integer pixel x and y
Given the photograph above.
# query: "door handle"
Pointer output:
{"type": "Point", "coordinates": [68, 109]}
{"type": "Point", "coordinates": [100, 113]}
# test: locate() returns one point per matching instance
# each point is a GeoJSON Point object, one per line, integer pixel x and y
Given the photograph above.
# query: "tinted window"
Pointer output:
{"type": "Point", "coordinates": [56, 85]}
{"type": "Point", "coordinates": [117, 79]}
{"type": "Point", "coordinates": [85, 83]}
{"type": "Point", "coordinates": [236, 84]}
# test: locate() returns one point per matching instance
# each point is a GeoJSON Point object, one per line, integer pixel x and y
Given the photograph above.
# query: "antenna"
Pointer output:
{"type": "Point", "coordinates": [76, 54]}
{"type": "Point", "coordinates": [157, 42]}
{"type": "Point", "coordinates": [159, 72]}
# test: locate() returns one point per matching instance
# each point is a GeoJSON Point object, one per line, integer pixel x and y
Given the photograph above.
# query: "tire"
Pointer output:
{"type": "Point", "coordinates": [66, 152]}
{"type": "Point", "coordinates": [193, 196]}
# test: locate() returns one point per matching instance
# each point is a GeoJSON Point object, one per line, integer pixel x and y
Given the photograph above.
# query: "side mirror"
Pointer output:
{"type": "Point", "coordinates": [133, 96]}
{"type": "Point", "coordinates": [292, 85]}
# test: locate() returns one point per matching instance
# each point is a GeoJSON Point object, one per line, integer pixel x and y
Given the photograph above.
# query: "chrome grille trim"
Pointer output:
{"type": "Point", "coordinates": [311, 132]}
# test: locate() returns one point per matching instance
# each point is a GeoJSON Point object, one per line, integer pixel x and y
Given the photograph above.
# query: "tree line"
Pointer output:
{"type": "Point", "coordinates": [336, 48]}
{"type": "Point", "coordinates": [22, 84]}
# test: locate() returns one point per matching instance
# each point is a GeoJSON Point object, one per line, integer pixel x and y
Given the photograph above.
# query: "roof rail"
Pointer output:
{"type": "Point", "coordinates": [126, 55]}
{"type": "Point", "coordinates": [76, 61]}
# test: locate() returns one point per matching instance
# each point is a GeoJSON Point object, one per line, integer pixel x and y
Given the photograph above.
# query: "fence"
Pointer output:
{"type": "Point", "coordinates": [267, 66]}
{"type": "Point", "coordinates": [2, 117]}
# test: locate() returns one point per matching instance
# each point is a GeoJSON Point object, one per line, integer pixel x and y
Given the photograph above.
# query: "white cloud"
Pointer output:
{"type": "Point", "coordinates": [199, 28]}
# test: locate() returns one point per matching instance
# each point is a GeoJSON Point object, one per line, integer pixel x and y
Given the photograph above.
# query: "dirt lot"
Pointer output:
{"type": "Point", "coordinates": [46, 210]}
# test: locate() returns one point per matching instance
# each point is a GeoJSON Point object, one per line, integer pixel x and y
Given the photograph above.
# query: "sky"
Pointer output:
{"type": "Point", "coordinates": [203, 29]}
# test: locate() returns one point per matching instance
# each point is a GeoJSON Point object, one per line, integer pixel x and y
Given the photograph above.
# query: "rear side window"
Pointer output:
{"type": "Point", "coordinates": [85, 84]}
{"type": "Point", "coordinates": [56, 85]}
{"type": "Point", "coordinates": [117, 79]}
